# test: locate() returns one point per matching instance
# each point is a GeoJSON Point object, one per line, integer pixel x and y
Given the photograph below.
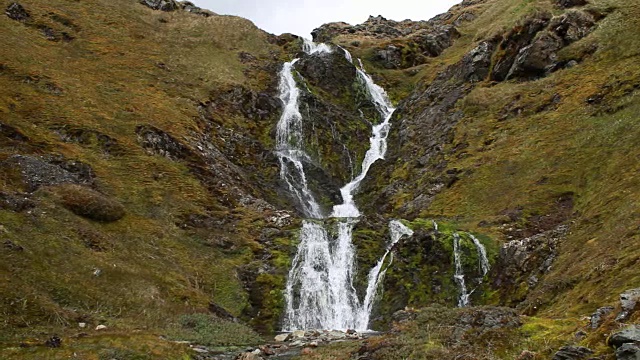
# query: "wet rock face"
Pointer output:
{"type": "Point", "coordinates": [17, 12]}
{"type": "Point", "coordinates": [330, 72]}
{"type": "Point", "coordinates": [241, 101]}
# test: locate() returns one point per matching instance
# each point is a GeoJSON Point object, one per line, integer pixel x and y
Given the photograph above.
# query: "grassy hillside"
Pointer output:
{"type": "Point", "coordinates": [147, 111]}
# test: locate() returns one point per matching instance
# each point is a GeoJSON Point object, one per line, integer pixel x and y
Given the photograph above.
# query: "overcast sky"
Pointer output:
{"type": "Point", "coordinates": [301, 16]}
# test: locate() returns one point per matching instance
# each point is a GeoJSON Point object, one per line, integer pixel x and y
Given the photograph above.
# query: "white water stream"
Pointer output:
{"type": "Point", "coordinates": [320, 293]}
{"type": "Point", "coordinates": [483, 266]}
{"type": "Point", "coordinates": [463, 298]}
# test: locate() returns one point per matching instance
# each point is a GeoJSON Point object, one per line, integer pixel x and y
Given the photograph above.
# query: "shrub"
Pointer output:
{"type": "Point", "coordinates": [204, 329]}
{"type": "Point", "coordinates": [89, 203]}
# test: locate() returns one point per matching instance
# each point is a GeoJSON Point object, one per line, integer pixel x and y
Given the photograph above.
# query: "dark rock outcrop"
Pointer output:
{"type": "Point", "coordinates": [330, 72]}
{"type": "Point", "coordinates": [522, 262]}
{"type": "Point", "coordinates": [416, 48]}
{"type": "Point", "coordinates": [629, 335]}
{"type": "Point", "coordinates": [37, 172]}
{"type": "Point", "coordinates": [572, 353]}
{"type": "Point", "coordinates": [516, 39]}
{"type": "Point", "coordinates": [17, 12]}
{"type": "Point", "coordinates": [163, 5]}
{"type": "Point", "coordinates": [192, 8]}
{"type": "Point", "coordinates": [628, 351]}
{"type": "Point", "coordinates": [16, 202]}
{"type": "Point", "coordinates": [172, 5]}
{"type": "Point", "coordinates": [411, 42]}
{"type": "Point", "coordinates": [598, 316]}
{"type": "Point", "coordinates": [565, 4]}
{"type": "Point", "coordinates": [90, 138]}
{"type": "Point", "coordinates": [530, 51]}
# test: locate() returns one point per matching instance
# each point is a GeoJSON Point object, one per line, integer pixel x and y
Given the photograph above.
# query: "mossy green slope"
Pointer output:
{"type": "Point", "coordinates": [193, 203]}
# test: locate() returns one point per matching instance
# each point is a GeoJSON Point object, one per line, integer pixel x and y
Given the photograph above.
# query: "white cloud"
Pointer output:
{"type": "Point", "coordinates": [302, 16]}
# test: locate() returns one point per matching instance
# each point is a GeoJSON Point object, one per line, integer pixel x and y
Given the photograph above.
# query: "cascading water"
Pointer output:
{"type": "Point", "coordinates": [482, 255]}
{"type": "Point", "coordinates": [289, 144]}
{"type": "Point", "coordinates": [311, 48]}
{"type": "Point", "coordinates": [483, 265]}
{"type": "Point", "coordinates": [320, 293]}
{"type": "Point", "coordinates": [463, 298]}
{"type": "Point", "coordinates": [397, 230]}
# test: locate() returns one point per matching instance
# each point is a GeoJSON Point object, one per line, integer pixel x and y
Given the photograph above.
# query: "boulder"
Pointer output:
{"type": "Point", "coordinates": [17, 12]}
{"type": "Point", "coordinates": [628, 351]}
{"type": "Point", "coordinates": [298, 334]}
{"type": "Point", "coordinates": [281, 337]}
{"type": "Point", "coordinates": [336, 335]}
{"type": "Point", "coordinates": [249, 356]}
{"type": "Point", "coordinates": [630, 334]}
{"type": "Point", "coordinates": [628, 301]}
{"type": "Point", "coordinates": [535, 60]}
{"type": "Point", "coordinates": [514, 40]}
{"type": "Point", "coordinates": [572, 353]}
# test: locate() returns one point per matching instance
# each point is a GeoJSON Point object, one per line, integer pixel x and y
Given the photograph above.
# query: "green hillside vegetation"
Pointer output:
{"type": "Point", "coordinates": [89, 97]}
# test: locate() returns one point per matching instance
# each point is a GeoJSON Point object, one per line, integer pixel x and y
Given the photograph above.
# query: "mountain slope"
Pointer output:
{"type": "Point", "coordinates": [139, 189]}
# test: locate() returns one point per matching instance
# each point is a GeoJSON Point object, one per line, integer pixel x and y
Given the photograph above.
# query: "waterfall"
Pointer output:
{"type": "Point", "coordinates": [483, 266]}
{"type": "Point", "coordinates": [463, 299]}
{"type": "Point", "coordinates": [320, 293]}
{"type": "Point", "coordinates": [311, 48]}
{"type": "Point", "coordinates": [482, 255]}
{"type": "Point", "coordinates": [397, 230]}
{"type": "Point", "coordinates": [289, 144]}
{"type": "Point", "coordinates": [378, 143]}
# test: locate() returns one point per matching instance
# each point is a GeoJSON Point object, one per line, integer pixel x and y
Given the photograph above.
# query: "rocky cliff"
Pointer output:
{"type": "Point", "coordinates": [140, 203]}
